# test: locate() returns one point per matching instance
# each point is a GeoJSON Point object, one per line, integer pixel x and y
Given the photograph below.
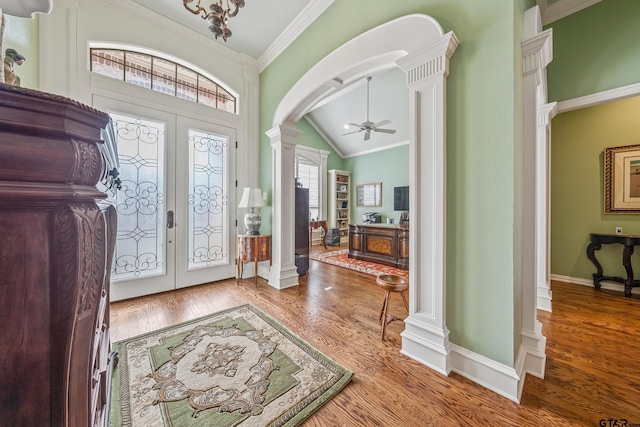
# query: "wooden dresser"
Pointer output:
{"type": "Point", "coordinates": [380, 243]}
{"type": "Point", "coordinates": [57, 234]}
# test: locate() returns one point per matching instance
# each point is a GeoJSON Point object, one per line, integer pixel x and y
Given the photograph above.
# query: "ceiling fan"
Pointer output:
{"type": "Point", "coordinates": [368, 126]}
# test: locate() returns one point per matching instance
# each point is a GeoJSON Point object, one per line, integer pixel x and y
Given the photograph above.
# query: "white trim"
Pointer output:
{"type": "Point", "coordinates": [416, 44]}
{"type": "Point", "coordinates": [488, 373]}
{"type": "Point", "coordinates": [605, 284]}
{"type": "Point", "coordinates": [536, 55]}
{"type": "Point", "coordinates": [599, 98]}
{"type": "Point", "coordinates": [562, 8]}
{"type": "Point", "coordinates": [306, 17]}
{"type": "Point", "coordinates": [324, 136]}
{"type": "Point", "coordinates": [319, 157]}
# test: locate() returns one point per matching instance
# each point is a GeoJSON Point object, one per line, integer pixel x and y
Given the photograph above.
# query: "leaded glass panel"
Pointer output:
{"type": "Point", "coordinates": [139, 248]}
{"type": "Point", "coordinates": [208, 209]}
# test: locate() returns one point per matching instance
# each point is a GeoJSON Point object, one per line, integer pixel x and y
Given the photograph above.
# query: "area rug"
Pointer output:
{"type": "Point", "coordinates": [341, 259]}
{"type": "Point", "coordinates": [238, 367]}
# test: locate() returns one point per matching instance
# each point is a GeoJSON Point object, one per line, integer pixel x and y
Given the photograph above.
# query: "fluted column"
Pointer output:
{"type": "Point", "coordinates": [536, 55]}
{"type": "Point", "coordinates": [543, 179]}
{"type": "Point", "coordinates": [426, 337]}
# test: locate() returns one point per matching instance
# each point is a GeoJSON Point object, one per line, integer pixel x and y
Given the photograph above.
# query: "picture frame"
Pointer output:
{"type": "Point", "coordinates": [622, 180]}
{"type": "Point", "coordinates": [369, 195]}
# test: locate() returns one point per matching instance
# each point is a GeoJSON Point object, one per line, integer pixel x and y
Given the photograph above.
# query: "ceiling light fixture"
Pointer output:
{"type": "Point", "coordinates": [218, 16]}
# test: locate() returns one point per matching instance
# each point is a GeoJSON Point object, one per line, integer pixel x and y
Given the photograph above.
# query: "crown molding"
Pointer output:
{"type": "Point", "coordinates": [599, 98]}
{"type": "Point", "coordinates": [562, 8]}
{"type": "Point", "coordinates": [324, 136]}
{"type": "Point", "coordinates": [310, 13]}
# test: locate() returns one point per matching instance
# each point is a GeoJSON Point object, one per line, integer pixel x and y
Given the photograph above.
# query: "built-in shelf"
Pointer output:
{"type": "Point", "coordinates": [339, 203]}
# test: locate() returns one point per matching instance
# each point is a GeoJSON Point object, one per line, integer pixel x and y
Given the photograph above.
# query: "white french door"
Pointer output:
{"type": "Point", "coordinates": [176, 208]}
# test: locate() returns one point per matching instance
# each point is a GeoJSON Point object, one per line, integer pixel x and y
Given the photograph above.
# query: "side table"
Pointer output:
{"type": "Point", "coordinates": [252, 249]}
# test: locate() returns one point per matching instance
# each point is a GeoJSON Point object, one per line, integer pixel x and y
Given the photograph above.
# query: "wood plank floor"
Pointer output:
{"type": "Point", "coordinates": [592, 370]}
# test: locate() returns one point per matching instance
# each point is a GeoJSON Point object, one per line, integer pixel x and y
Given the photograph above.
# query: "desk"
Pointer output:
{"type": "Point", "coordinates": [318, 224]}
{"type": "Point", "coordinates": [252, 249]}
{"type": "Point", "coordinates": [628, 241]}
{"type": "Point", "coordinates": [380, 243]}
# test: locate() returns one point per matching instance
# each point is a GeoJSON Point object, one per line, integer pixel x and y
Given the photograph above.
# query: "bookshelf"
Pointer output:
{"type": "Point", "coordinates": [339, 200]}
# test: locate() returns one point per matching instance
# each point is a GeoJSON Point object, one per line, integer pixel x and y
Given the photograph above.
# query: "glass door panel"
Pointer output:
{"type": "Point", "coordinates": [144, 258]}
{"type": "Point", "coordinates": [208, 151]}
{"type": "Point", "coordinates": [139, 249]}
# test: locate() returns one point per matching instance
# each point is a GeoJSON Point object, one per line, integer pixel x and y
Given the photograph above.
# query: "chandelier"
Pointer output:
{"type": "Point", "coordinates": [218, 16]}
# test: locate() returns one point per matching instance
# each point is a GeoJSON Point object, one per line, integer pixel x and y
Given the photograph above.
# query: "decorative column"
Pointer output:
{"type": "Point", "coordinates": [426, 337]}
{"type": "Point", "coordinates": [543, 192]}
{"type": "Point", "coordinates": [283, 269]}
{"type": "Point", "coordinates": [536, 55]}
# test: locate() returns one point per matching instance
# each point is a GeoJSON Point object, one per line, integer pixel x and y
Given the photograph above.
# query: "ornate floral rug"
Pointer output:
{"type": "Point", "coordinates": [238, 367]}
{"type": "Point", "coordinates": [341, 259]}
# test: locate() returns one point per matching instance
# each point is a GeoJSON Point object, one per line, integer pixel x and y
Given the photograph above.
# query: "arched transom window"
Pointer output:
{"type": "Point", "coordinates": [162, 75]}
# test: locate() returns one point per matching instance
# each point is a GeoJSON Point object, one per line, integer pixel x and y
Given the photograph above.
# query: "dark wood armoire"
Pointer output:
{"type": "Point", "coordinates": [302, 230]}
{"type": "Point", "coordinates": [57, 234]}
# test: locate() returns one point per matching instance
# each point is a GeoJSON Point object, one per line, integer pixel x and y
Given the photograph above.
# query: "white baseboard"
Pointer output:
{"type": "Point", "coordinates": [495, 376]}
{"type": "Point", "coordinates": [605, 284]}
{"type": "Point", "coordinates": [544, 297]}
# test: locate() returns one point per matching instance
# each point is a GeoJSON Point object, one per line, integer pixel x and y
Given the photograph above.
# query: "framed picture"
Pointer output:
{"type": "Point", "coordinates": [622, 180]}
{"type": "Point", "coordinates": [369, 195]}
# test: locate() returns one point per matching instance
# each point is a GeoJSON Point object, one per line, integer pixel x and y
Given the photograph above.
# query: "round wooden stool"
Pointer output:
{"type": "Point", "coordinates": [391, 283]}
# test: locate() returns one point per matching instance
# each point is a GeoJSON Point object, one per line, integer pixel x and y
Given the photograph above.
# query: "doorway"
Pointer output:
{"type": "Point", "coordinates": [176, 205]}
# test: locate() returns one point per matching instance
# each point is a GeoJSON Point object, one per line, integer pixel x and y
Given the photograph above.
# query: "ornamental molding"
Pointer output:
{"type": "Point", "coordinates": [430, 61]}
{"type": "Point", "coordinates": [537, 52]}
{"type": "Point", "coordinates": [547, 112]}
{"type": "Point", "coordinates": [558, 9]}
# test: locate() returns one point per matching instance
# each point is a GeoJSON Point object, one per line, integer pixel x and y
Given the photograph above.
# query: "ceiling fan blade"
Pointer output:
{"type": "Point", "coordinates": [385, 130]}
{"type": "Point", "coordinates": [382, 123]}
{"type": "Point", "coordinates": [356, 125]}
{"type": "Point", "coordinates": [349, 133]}
{"type": "Point", "coordinates": [367, 135]}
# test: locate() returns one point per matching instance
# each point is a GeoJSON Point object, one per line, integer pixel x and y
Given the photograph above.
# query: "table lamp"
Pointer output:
{"type": "Point", "coordinates": [252, 198]}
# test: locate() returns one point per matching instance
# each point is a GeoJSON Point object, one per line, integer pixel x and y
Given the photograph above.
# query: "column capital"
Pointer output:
{"type": "Point", "coordinates": [283, 134]}
{"type": "Point", "coordinates": [546, 112]}
{"type": "Point", "coordinates": [432, 60]}
{"type": "Point", "coordinates": [537, 52]}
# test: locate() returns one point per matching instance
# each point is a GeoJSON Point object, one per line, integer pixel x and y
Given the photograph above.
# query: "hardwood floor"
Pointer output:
{"type": "Point", "coordinates": [592, 370]}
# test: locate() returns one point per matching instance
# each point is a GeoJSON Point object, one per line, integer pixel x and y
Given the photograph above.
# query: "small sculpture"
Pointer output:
{"type": "Point", "coordinates": [11, 58]}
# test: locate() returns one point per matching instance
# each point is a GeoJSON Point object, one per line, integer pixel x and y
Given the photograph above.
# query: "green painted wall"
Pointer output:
{"type": "Point", "coordinates": [595, 49]}
{"type": "Point", "coordinates": [390, 167]}
{"type": "Point", "coordinates": [311, 138]}
{"type": "Point", "coordinates": [579, 140]}
{"type": "Point", "coordinates": [480, 147]}
{"type": "Point", "coordinates": [21, 34]}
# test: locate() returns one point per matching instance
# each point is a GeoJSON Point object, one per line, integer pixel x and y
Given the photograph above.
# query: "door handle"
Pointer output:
{"type": "Point", "coordinates": [170, 219]}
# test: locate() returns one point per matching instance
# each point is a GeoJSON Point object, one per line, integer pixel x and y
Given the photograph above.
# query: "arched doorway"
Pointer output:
{"type": "Point", "coordinates": [417, 45]}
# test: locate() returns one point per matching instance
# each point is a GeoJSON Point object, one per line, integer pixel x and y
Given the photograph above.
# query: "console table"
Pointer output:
{"type": "Point", "coordinates": [252, 248]}
{"type": "Point", "coordinates": [380, 243]}
{"type": "Point", "coordinates": [628, 241]}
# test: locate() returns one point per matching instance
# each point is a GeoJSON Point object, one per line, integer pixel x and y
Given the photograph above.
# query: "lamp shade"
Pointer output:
{"type": "Point", "coordinates": [251, 198]}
